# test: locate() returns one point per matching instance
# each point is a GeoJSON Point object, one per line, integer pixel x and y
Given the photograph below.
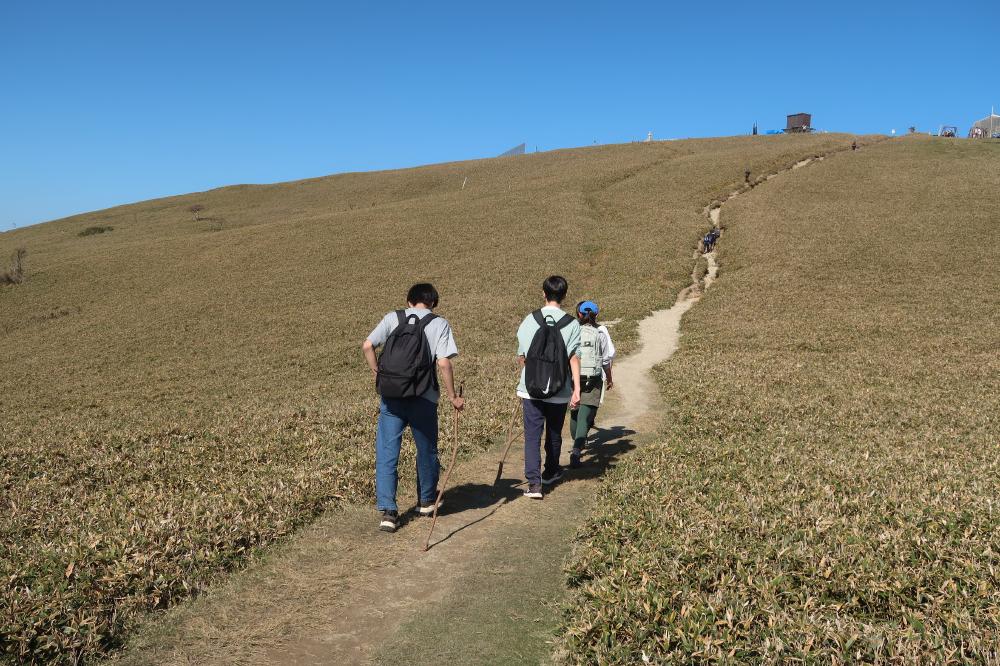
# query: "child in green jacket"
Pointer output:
{"type": "Point", "coordinates": [596, 353]}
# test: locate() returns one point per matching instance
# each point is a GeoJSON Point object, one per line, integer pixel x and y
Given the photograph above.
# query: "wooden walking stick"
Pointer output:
{"type": "Point", "coordinates": [510, 441]}
{"type": "Point", "coordinates": [447, 474]}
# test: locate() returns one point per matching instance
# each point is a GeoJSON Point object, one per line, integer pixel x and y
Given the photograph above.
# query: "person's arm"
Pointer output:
{"type": "Point", "coordinates": [610, 383]}
{"type": "Point", "coordinates": [374, 340]}
{"type": "Point", "coordinates": [521, 349]}
{"type": "Point", "coordinates": [446, 349]}
{"type": "Point", "coordinates": [369, 351]}
{"type": "Point", "coordinates": [574, 366]}
{"type": "Point", "coordinates": [448, 375]}
{"type": "Point", "coordinates": [572, 348]}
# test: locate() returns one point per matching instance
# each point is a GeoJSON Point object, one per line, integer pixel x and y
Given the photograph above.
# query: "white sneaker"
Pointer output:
{"type": "Point", "coordinates": [428, 509]}
{"type": "Point", "coordinates": [534, 491]}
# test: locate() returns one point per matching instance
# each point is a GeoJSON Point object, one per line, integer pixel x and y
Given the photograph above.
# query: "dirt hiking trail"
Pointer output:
{"type": "Point", "coordinates": [487, 591]}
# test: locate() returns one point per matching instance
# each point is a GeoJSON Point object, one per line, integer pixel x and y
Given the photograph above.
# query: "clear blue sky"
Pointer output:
{"type": "Point", "coordinates": [110, 102]}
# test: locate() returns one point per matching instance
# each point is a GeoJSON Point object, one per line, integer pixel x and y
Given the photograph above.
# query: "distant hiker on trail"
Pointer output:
{"type": "Point", "coordinates": [708, 241]}
{"type": "Point", "coordinates": [547, 341]}
{"type": "Point", "coordinates": [596, 352]}
{"type": "Point", "coordinates": [417, 342]}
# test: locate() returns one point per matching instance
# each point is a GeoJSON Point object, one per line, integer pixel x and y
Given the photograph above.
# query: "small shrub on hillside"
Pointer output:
{"type": "Point", "coordinates": [195, 211]}
{"type": "Point", "coordinates": [14, 273]}
{"type": "Point", "coordinates": [57, 313]}
{"type": "Point", "coordinates": [91, 231]}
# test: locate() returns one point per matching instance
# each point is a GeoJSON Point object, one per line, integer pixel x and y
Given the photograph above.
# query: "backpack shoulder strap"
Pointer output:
{"type": "Point", "coordinates": [537, 314]}
{"type": "Point", "coordinates": [401, 317]}
{"type": "Point", "coordinates": [428, 318]}
{"type": "Point", "coordinates": [564, 322]}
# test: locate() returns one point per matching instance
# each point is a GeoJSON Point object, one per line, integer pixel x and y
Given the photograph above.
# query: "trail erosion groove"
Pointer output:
{"type": "Point", "coordinates": [659, 333]}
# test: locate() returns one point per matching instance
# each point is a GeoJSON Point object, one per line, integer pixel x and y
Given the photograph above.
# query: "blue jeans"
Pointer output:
{"type": "Point", "coordinates": [393, 417]}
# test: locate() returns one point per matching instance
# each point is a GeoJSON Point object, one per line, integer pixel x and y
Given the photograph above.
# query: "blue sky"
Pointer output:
{"type": "Point", "coordinates": [103, 103]}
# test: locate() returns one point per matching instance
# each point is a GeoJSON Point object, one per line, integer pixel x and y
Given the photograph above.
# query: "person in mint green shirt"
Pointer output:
{"type": "Point", "coordinates": [548, 414]}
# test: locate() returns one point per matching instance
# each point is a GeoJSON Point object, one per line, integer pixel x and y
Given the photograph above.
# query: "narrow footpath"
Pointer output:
{"type": "Point", "coordinates": [487, 591]}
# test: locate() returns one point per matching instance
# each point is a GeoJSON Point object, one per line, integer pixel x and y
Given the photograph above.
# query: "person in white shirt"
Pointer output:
{"type": "Point", "coordinates": [409, 395]}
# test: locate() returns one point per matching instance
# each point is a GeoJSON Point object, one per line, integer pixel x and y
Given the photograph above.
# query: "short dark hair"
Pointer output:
{"type": "Point", "coordinates": [555, 288]}
{"type": "Point", "coordinates": [423, 292]}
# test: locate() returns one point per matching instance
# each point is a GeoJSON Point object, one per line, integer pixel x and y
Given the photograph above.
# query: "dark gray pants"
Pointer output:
{"type": "Point", "coordinates": [539, 415]}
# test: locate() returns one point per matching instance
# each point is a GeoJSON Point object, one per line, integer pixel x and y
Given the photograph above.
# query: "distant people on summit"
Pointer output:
{"type": "Point", "coordinates": [596, 352]}
{"type": "Point", "coordinates": [416, 344]}
{"type": "Point", "coordinates": [547, 344]}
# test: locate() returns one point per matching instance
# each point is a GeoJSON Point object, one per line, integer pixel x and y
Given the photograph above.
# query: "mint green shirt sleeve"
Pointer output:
{"type": "Point", "coordinates": [571, 336]}
{"type": "Point", "coordinates": [525, 332]}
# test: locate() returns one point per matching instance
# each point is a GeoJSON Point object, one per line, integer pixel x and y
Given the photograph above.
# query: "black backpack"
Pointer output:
{"type": "Point", "coordinates": [406, 365]}
{"type": "Point", "coordinates": [546, 365]}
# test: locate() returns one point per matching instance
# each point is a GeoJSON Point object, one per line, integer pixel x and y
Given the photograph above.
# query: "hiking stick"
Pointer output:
{"type": "Point", "coordinates": [447, 474]}
{"type": "Point", "coordinates": [510, 442]}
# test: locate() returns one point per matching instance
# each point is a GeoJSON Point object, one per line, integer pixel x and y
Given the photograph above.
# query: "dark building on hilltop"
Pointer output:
{"type": "Point", "coordinates": [799, 122]}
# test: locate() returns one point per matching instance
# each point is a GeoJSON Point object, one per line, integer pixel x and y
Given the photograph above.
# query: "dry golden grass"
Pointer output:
{"type": "Point", "coordinates": [183, 390]}
{"type": "Point", "coordinates": [826, 490]}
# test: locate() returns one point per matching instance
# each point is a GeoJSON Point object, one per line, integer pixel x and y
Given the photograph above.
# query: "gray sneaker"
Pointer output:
{"type": "Point", "coordinates": [390, 521]}
{"type": "Point", "coordinates": [427, 508]}
{"type": "Point", "coordinates": [534, 491]}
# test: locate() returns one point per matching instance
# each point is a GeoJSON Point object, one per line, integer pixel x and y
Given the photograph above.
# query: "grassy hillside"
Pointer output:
{"type": "Point", "coordinates": [826, 489]}
{"type": "Point", "coordinates": [184, 387]}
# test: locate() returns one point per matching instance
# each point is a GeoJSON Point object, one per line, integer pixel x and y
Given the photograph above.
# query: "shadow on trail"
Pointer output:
{"type": "Point", "coordinates": [603, 450]}
{"type": "Point", "coordinates": [469, 496]}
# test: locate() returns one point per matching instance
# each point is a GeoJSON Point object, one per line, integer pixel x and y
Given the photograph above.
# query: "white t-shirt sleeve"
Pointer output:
{"type": "Point", "coordinates": [608, 351]}
{"type": "Point", "coordinates": [445, 347]}
{"type": "Point", "coordinates": [381, 332]}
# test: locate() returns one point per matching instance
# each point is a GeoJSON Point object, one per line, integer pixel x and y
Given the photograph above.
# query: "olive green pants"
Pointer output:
{"type": "Point", "coordinates": [581, 420]}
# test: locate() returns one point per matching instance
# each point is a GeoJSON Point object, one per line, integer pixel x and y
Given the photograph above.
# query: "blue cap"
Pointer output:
{"type": "Point", "coordinates": [588, 306]}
